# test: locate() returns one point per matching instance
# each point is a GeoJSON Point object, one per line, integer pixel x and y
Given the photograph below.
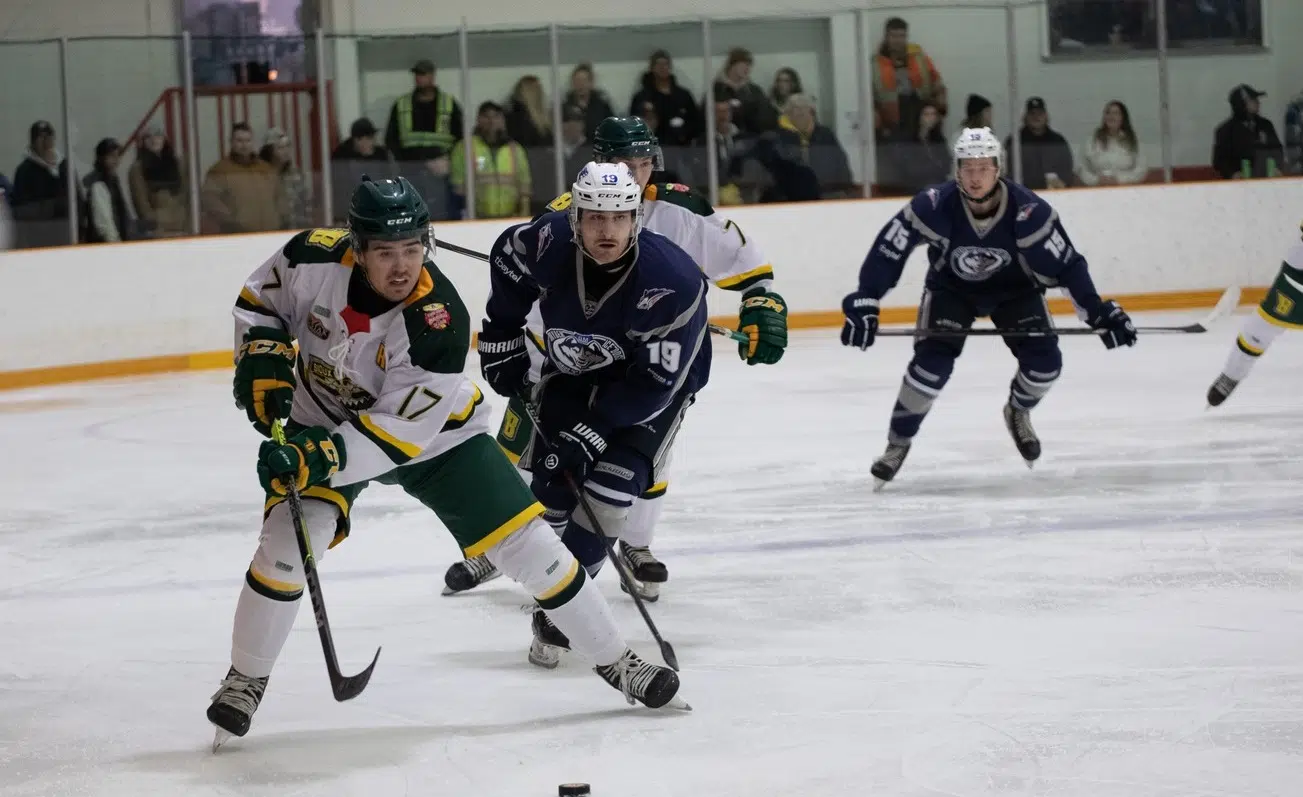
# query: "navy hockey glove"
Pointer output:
{"type": "Point", "coordinates": [861, 324]}
{"type": "Point", "coordinates": [763, 318]}
{"type": "Point", "coordinates": [504, 362]}
{"type": "Point", "coordinates": [1115, 323]}
{"type": "Point", "coordinates": [264, 376]}
{"type": "Point", "coordinates": [575, 450]}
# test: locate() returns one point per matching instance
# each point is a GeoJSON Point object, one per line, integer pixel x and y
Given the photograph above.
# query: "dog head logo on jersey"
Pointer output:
{"type": "Point", "coordinates": [977, 263]}
{"type": "Point", "coordinates": [575, 353]}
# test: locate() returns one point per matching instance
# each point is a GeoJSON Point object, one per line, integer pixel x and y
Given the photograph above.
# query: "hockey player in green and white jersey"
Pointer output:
{"type": "Point", "coordinates": [1281, 309]}
{"type": "Point", "coordinates": [729, 258]}
{"type": "Point", "coordinates": [376, 392]}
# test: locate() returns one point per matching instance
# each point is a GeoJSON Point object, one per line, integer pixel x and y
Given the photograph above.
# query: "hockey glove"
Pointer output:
{"type": "Point", "coordinates": [310, 457]}
{"type": "Point", "coordinates": [1115, 324]}
{"type": "Point", "coordinates": [574, 451]}
{"type": "Point", "coordinates": [264, 376]}
{"type": "Point", "coordinates": [861, 325]}
{"type": "Point", "coordinates": [763, 318]}
{"type": "Point", "coordinates": [504, 362]}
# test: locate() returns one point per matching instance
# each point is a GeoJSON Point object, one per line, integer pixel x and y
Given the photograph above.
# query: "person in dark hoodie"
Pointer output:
{"type": "Point", "coordinates": [977, 113]}
{"type": "Point", "coordinates": [40, 196]}
{"type": "Point", "coordinates": [1246, 145]}
{"type": "Point", "coordinates": [680, 120]}
{"type": "Point", "coordinates": [1046, 156]}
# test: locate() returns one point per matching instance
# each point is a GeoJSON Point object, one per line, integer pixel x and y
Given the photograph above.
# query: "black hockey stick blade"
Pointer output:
{"type": "Point", "coordinates": [347, 687]}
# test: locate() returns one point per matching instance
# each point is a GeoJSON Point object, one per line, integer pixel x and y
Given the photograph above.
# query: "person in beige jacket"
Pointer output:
{"type": "Point", "coordinates": [1112, 154]}
{"type": "Point", "coordinates": [159, 190]}
{"type": "Point", "coordinates": [241, 192]}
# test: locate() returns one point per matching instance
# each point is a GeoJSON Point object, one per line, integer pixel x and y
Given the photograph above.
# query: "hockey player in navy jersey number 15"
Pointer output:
{"type": "Point", "coordinates": [624, 326]}
{"type": "Point", "coordinates": [994, 247]}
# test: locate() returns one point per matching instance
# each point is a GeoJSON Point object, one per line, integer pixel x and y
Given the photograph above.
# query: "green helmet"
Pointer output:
{"type": "Point", "coordinates": [626, 137]}
{"type": "Point", "coordinates": [387, 210]}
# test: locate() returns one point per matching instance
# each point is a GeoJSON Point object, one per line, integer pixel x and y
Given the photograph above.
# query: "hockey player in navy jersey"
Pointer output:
{"type": "Point", "coordinates": [994, 247]}
{"type": "Point", "coordinates": [624, 326]}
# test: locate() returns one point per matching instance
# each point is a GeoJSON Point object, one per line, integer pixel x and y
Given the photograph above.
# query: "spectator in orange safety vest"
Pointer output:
{"type": "Point", "coordinates": [904, 79]}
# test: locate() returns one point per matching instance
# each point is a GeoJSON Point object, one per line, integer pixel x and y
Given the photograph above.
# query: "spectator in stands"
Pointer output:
{"type": "Point", "coordinates": [109, 220]}
{"type": "Point", "coordinates": [904, 78]}
{"type": "Point", "coordinates": [40, 196]}
{"type": "Point", "coordinates": [679, 120]}
{"type": "Point", "coordinates": [241, 192]}
{"type": "Point", "coordinates": [500, 169]}
{"type": "Point", "coordinates": [803, 141]}
{"type": "Point", "coordinates": [1246, 145]}
{"type": "Point", "coordinates": [278, 153]}
{"type": "Point", "coordinates": [919, 161]}
{"type": "Point", "coordinates": [1294, 135]}
{"type": "Point", "coordinates": [1112, 154]}
{"type": "Point", "coordinates": [356, 156]}
{"type": "Point", "coordinates": [574, 141]}
{"type": "Point", "coordinates": [752, 112]}
{"type": "Point", "coordinates": [1046, 155]}
{"type": "Point", "coordinates": [159, 187]}
{"type": "Point", "coordinates": [423, 127]}
{"type": "Point", "coordinates": [529, 124]}
{"type": "Point", "coordinates": [677, 168]}
{"type": "Point", "coordinates": [589, 99]}
{"type": "Point", "coordinates": [977, 112]}
{"type": "Point", "coordinates": [786, 83]}
{"type": "Point", "coordinates": [733, 148]}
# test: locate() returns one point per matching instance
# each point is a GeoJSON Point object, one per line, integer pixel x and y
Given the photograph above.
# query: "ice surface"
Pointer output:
{"type": "Point", "coordinates": [1123, 621]}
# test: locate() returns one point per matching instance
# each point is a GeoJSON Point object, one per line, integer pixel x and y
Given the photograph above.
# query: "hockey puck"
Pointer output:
{"type": "Point", "coordinates": [573, 790]}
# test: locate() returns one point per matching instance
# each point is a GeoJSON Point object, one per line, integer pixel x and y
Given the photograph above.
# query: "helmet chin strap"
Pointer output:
{"type": "Point", "coordinates": [989, 195]}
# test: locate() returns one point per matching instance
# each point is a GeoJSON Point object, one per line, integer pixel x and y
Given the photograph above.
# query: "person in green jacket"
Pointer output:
{"type": "Point", "coordinates": [500, 170]}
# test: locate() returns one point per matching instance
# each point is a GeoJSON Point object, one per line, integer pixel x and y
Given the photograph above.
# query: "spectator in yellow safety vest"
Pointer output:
{"type": "Point", "coordinates": [423, 127]}
{"type": "Point", "coordinates": [500, 168]}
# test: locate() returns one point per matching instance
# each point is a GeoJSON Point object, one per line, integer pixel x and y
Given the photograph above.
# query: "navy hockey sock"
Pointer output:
{"type": "Point", "coordinates": [927, 373]}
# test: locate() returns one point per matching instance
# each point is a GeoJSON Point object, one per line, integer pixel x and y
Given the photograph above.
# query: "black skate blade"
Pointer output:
{"type": "Point", "coordinates": [347, 687]}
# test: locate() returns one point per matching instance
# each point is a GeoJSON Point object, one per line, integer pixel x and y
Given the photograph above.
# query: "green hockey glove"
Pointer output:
{"type": "Point", "coordinates": [763, 318]}
{"type": "Point", "coordinates": [310, 457]}
{"type": "Point", "coordinates": [264, 376]}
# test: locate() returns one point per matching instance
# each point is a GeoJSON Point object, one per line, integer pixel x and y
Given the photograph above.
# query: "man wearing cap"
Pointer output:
{"type": "Point", "coordinates": [355, 156]}
{"type": "Point", "coordinates": [503, 183]}
{"type": "Point", "coordinates": [1246, 145]}
{"type": "Point", "coordinates": [110, 221]}
{"type": "Point", "coordinates": [423, 126]}
{"type": "Point", "coordinates": [1046, 155]}
{"type": "Point", "coordinates": [40, 198]}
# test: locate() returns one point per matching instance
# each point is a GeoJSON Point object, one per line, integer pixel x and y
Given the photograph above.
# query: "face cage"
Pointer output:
{"type": "Point", "coordinates": [577, 237]}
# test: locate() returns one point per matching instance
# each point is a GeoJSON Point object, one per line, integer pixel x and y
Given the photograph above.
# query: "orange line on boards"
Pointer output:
{"type": "Point", "coordinates": [821, 319]}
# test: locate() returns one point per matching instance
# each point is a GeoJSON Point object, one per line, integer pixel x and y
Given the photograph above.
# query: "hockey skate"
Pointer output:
{"type": "Point", "coordinates": [1221, 390]}
{"type": "Point", "coordinates": [648, 571]}
{"type": "Point", "coordinates": [469, 574]}
{"type": "Point", "coordinates": [1019, 424]}
{"type": "Point", "coordinates": [650, 684]}
{"type": "Point", "coordinates": [549, 643]}
{"type": "Point", "coordinates": [885, 467]}
{"type": "Point", "coordinates": [233, 705]}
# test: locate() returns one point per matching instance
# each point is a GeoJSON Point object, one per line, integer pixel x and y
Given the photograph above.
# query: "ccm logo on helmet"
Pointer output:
{"type": "Point", "coordinates": [400, 220]}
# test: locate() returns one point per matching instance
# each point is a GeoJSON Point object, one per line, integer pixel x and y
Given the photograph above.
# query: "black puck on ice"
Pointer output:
{"type": "Point", "coordinates": [573, 790]}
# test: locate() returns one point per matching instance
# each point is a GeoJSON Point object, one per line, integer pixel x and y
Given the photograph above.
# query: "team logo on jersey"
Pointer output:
{"type": "Point", "coordinates": [436, 316]}
{"type": "Point", "coordinates": [651, 296]}
{"type": "Point", "coordinates": [575, 353]}
{"type": "Point", "coordinates": [1025, 212]}
{"type": "Point", "coordinates": [544, 239]}
{"type": "Point", "coordinates": [349, 394]}
{"type": "Point", "coordinates": [678, 187]}
{"type": "Point", "coordinates": [977, 263]}
{"type": "Point", "coordinates": [934, 195]}
{"type": "Point", "coordinates": [382, 360]}
{"type": "Point", "coordinates": [316, 327]}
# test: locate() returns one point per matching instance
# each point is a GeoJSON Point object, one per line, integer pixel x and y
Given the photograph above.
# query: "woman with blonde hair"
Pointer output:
{"type": "Point", "coordinates": [529, 117]}
{"type": "Point", "coordinates": [1112, 154]}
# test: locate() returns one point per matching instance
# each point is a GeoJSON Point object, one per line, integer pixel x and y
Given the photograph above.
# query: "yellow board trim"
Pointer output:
{"type": "Point", "coordinates": [209, 360]}
{"type": "Point", "coordinates": [729, 282]}
{"type": "Point", "coordinates": [566, 581]}
{"type": "Point", "coordinates": [411, 451]}
{"type": "Point", "coordinates": [498, 535]}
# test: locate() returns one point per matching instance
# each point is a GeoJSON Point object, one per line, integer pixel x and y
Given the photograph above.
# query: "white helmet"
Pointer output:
{"type": "Point", "coordinates": [979, 142]}
{"type": "Point", "coordinates": [606, 188]}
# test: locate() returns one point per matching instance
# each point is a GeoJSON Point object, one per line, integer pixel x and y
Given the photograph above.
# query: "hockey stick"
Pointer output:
{"type": "Point", "coordinates": [1229, 300]}
{"type": "Point", "coordinates": [471, 253]}
{"type": "Point", "coordinates": [667, 652]}
{"type": "Point", "coordinates": [345, 687]}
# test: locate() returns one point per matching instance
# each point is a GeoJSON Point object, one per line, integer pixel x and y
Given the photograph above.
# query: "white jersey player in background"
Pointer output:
{"type": "Point", "coordinates": [727, 256]}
